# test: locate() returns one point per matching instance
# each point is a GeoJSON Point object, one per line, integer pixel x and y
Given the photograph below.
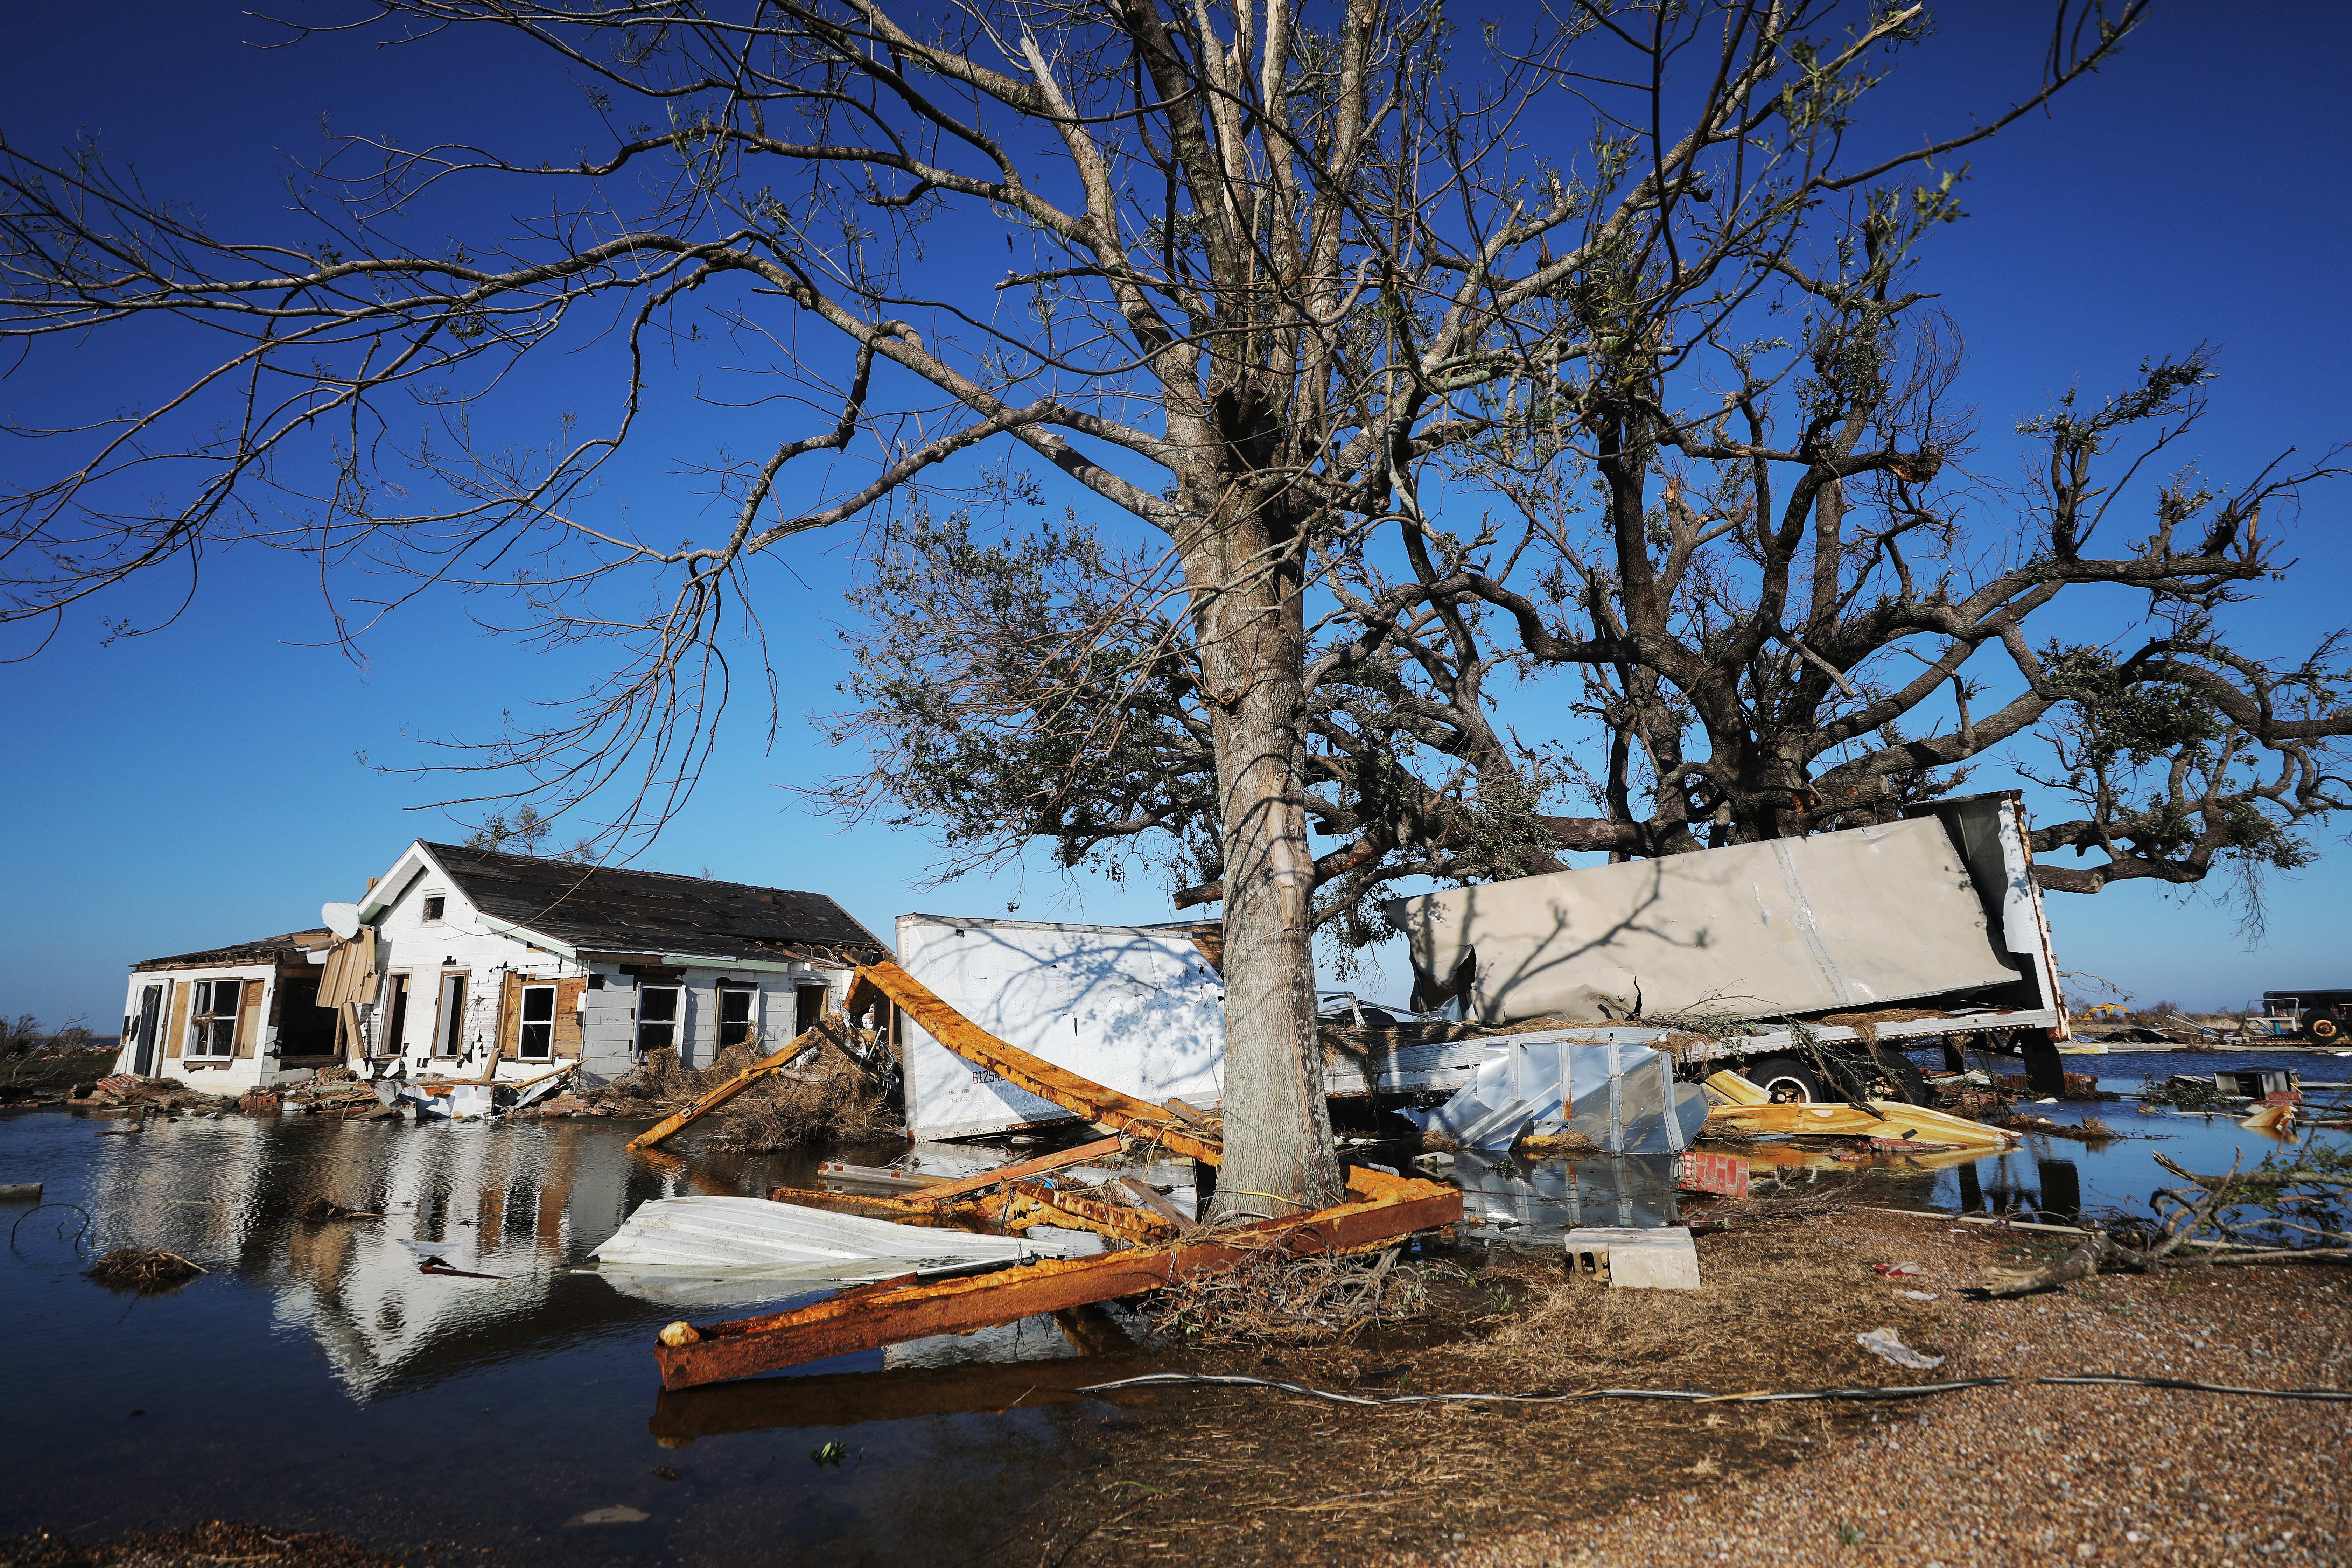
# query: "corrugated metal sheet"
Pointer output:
{"type": "Point", "coordinates": [703, 1238]}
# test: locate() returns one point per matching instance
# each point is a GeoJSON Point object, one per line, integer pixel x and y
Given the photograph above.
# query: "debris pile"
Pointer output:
{"type": "Point", "coordinates": [835, 1103]}
{"type": "Point", "coordinates": [2080, 1086]}
{"type": "Point", "coordinates": [142, 1269]}
{"type": "Point", "coordinates": [333, 1091]}
{"type": "Point", "coordinates": [122, 1091]}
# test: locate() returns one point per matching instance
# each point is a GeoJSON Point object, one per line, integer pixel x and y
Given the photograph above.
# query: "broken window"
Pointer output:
{"type": "Point", "coordinates": [449, 1027]}
{"type": "Point", "coordinates": [537, 1042]}
{"type": "Point", "coordinates": [211, 1023]}
{"type": "Point", "coordinates": [734, 1015]}
{"type": "Point", "coordinates": [656, 1018]}
{"type": "Point", "coordinates": [434, 906]}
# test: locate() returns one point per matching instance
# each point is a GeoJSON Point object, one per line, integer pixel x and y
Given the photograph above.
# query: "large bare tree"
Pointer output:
{"type": "Point", "coordinates": [1740, 523]}
{"type": "Point", "coordinates": [1268, 262]}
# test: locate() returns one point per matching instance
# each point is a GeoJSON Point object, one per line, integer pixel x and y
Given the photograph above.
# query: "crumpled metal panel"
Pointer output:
{"type": "Point", "coordinates": [1541, 1200]}
{"type": "Point", "coordinates": [1605, 1085]}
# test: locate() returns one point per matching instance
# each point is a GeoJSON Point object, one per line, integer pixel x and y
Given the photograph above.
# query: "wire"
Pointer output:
{"type": "Point", "coordinates": [1702, 1397]}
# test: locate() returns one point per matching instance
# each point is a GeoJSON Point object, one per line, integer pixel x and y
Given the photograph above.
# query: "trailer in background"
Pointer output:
{"type": "Point", "coordinates": [1829, 950]}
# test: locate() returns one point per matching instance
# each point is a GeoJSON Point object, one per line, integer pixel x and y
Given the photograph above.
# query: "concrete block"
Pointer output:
{"type": "Point", "coordinates": [1660, 1259]}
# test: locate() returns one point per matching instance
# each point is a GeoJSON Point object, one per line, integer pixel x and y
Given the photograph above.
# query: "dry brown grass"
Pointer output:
{"type": "Point", "coordinates": [1252, 1476]}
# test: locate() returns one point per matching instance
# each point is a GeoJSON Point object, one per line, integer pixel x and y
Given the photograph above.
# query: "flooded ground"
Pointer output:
{"type": "Point", "coordinates": [316, 1380]}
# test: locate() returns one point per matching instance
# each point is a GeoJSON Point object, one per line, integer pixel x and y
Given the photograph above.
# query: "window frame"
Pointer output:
{"type": "Point", "coordinates": [674, 1023]}
{"type": "Point", "coordinates": [525, 1023]}
{"type": "Point", "coordinates": [207, 1026]}
{"type": "Point", "coordinates": [435, 908]}
{"type": "Point", "coordinates": [749, 1024]}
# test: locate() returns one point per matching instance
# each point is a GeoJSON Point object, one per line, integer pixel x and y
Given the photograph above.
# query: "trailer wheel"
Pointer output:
{"type": "Point", "coordinates": [2324, 1029]}
{"type": "Point", "coordinates": [1786, 1080]}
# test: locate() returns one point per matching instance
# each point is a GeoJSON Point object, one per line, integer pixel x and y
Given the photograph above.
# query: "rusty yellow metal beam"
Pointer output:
{"type": "Point", "coordinates": [1019, 1207]}
{"type": "Point", "coordinates": [1081, 1097]}
{"type": "Point", "coordinates": [1378, 1209]}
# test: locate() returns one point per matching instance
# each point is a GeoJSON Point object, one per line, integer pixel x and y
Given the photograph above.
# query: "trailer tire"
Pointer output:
{"type": "Point", "coordinates": [1787, 1077]}
{"type": "Point", "coordinates": [2326, 1030]}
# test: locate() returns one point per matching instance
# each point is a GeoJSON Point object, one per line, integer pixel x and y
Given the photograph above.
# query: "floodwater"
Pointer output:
{"type": "Point", "coordinates": [2057, 1178]}
{"type": "Point", "coordinates": [316, 1380]}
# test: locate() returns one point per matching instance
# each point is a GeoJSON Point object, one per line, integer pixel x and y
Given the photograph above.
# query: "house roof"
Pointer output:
{"type": "Point", "coordinates": [292, 948]}
{"type": "Point", "coordinates": [609, 909]}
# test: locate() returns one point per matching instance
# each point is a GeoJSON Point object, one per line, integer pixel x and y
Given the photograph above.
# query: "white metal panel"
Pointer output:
{"type": "Point", "coordinates": [703, 1238]}
{"type": "Point", "coordinates": [1131, 1007]}
{"type": "Point", "coordinates": [1857, 919]}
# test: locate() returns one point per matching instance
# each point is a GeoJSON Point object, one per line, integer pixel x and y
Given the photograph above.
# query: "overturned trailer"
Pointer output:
{"type": "Point", "coordinates": [1811, 963]}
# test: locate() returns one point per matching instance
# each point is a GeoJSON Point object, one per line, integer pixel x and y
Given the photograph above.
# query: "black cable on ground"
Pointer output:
{"type": "Point", "coordinates": [1703, 1397]}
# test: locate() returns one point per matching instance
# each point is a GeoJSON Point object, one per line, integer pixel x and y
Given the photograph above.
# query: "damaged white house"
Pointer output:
{"type": "Point", "coordinates": [475, 963]}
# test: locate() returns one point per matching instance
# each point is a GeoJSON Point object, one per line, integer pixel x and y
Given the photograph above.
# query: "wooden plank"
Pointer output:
{"type": "Point", "coordinates": [1378, 1209]}
{"type": "Point", "coordinates": [980, 1181]}
{"type": "Point", "coordinates": [726, 1091]}
{"type": "Point", "coordinates": [1079, 1096]}
{"type": "Point", "coordinates": [1143, 1197]}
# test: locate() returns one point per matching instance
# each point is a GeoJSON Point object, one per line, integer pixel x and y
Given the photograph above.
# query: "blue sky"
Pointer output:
{"type": "Point", "coordinates": [200, 785]}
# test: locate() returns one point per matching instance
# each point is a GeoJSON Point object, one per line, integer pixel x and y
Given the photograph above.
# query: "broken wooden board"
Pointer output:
{"type": "Point", "coordinates": [1079, 1096]}
{"type": "Point", "coordinates": [979, 1181]}
{"type": "Point", "coordinates": [1380, 1208]}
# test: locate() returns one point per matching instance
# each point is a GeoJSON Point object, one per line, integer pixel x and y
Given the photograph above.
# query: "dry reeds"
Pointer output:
{"type": "Point", "coordinates": [143, 1269]}
{"type": "Point", "coordinates": [1278, 1296]}
{"type": "Point", "coordinates": [788, 1112]}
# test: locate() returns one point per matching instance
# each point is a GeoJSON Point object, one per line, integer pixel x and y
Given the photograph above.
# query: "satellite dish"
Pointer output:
{"type": "Point", "coordinates": [343, 919]}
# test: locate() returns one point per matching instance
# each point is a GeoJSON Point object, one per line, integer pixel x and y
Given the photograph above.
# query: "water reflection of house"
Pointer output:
{"type": "Point", "coordinates": [474, 963]}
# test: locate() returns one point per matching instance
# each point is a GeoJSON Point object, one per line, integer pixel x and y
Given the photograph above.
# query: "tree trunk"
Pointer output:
{"type": "Point", "coordinates": [1278, 1127]}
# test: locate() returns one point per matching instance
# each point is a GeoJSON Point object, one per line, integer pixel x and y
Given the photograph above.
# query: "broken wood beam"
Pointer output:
{"type": "Point", "coordinates": [1380, 1208]}
{"type": "Point", "coordinates": [1144, 1197]}
{"type": "Point", "coordinates": [1081, 1097]}
{"type": "Point", "coordinates": [979, 1181]}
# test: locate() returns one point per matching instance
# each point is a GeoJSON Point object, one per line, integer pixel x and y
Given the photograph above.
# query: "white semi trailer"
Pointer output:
{"type": "Point", "coordinates": [1927, 930]}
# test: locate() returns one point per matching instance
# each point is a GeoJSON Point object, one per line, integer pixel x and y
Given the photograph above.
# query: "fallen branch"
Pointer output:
{"type": "Point", "coordinates": [2100, 1248]}
{"type": "Point", "coordinates": [2295, 1176]}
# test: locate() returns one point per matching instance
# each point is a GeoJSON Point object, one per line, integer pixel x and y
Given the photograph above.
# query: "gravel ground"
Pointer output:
{"type": "Point", "coordinates": [2042, 1474]}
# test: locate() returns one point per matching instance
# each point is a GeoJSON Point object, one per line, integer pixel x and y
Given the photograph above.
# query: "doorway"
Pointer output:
{"type": "Point", "coordinates": [449, 1026]}
{"type": "Point", "coordinates": [808, 1008]}
{"type": "Point", "coordinates": [151, 1003]}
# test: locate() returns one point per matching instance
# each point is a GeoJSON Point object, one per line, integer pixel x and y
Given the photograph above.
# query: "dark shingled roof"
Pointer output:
{"type": "Point", "coordinates": [609, 909]}
{"type": "Point", "coordinates": [286, 949]}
